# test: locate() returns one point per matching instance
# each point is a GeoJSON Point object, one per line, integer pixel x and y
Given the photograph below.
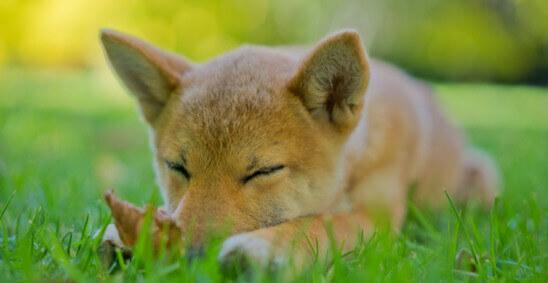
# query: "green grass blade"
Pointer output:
{"type": "Point", "coordinates": [472, 248]}
{"type": "Point", "coordinates": [7, 204]}
{"type": "Point", "coordinates": [424, 222]}
{"type": "Point", "coordinates": [58, 254]}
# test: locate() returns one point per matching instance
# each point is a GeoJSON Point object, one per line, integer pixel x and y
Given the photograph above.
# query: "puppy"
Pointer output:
{"type": "Point", "coordinates": [277, 141]}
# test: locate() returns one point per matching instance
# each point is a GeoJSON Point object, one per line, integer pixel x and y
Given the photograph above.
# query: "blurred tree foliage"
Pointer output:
{"type": "Point", "coordinates": [501, 40]}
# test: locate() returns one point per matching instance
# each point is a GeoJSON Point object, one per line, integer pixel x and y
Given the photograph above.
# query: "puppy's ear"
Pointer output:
{"type": "Point", "coordinates": [149, 73]}
{"type": "Point", "coordinates": [332, 79]}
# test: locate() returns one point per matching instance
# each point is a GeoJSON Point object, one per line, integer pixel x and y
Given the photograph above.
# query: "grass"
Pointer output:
{"type": "Point", "coordinates": [67, 137]}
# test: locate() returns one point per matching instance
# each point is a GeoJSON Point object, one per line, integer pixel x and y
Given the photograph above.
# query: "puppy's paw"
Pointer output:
{"type": "Point", "coordinates": [241, 251]}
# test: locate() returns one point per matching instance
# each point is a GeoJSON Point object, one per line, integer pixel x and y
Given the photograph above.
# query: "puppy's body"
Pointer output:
{"type": "Point", "coordinates": [401, 141]}
{"type": "Point", "coordinates": [276, 140]}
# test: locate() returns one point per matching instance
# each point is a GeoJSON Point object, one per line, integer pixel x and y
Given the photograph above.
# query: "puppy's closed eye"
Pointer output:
{"type": "Point", "coordinates": [180, 168]}
{"type": "Point", "coordinates": [263, 171]}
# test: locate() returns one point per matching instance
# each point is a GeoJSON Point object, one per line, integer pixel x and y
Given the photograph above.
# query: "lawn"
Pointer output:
{"type": "Point", "coordinates": [66, 137]}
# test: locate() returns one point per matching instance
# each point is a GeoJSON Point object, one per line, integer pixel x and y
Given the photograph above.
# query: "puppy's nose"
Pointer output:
{"type": "Point", "coordinates": [195, 253]}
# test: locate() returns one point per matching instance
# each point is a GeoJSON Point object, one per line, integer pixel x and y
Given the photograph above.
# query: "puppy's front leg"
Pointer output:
{"type": "Point", "coordinates": [273, 245]}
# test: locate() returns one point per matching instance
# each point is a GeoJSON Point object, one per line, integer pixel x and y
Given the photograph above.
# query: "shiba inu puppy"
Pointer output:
{"type": "Point", "coordinates": [280, 140]}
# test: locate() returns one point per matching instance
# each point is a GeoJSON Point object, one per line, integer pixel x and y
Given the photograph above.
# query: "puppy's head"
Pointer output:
{"type": "Point", "coordinates": [252, 137]}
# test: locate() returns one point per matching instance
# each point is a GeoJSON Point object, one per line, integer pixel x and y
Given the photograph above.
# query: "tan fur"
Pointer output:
{"type": "Point", "coordinates": [350, 155]}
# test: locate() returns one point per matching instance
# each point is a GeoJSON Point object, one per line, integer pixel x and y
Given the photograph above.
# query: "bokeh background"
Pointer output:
{"type": "Point", "coordinates": [69, 131]}
{"type": "Point", "coordinates": [472, 40]}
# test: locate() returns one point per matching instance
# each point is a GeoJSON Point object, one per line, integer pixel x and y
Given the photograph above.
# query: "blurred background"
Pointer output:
{"type": "Point", "coordinates": [466, 40]}
{"type": "Point", "coordinates": [69, 131]}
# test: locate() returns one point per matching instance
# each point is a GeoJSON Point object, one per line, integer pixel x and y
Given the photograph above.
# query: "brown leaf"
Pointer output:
{"type": "Point", "coordinates": [129, 218]}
